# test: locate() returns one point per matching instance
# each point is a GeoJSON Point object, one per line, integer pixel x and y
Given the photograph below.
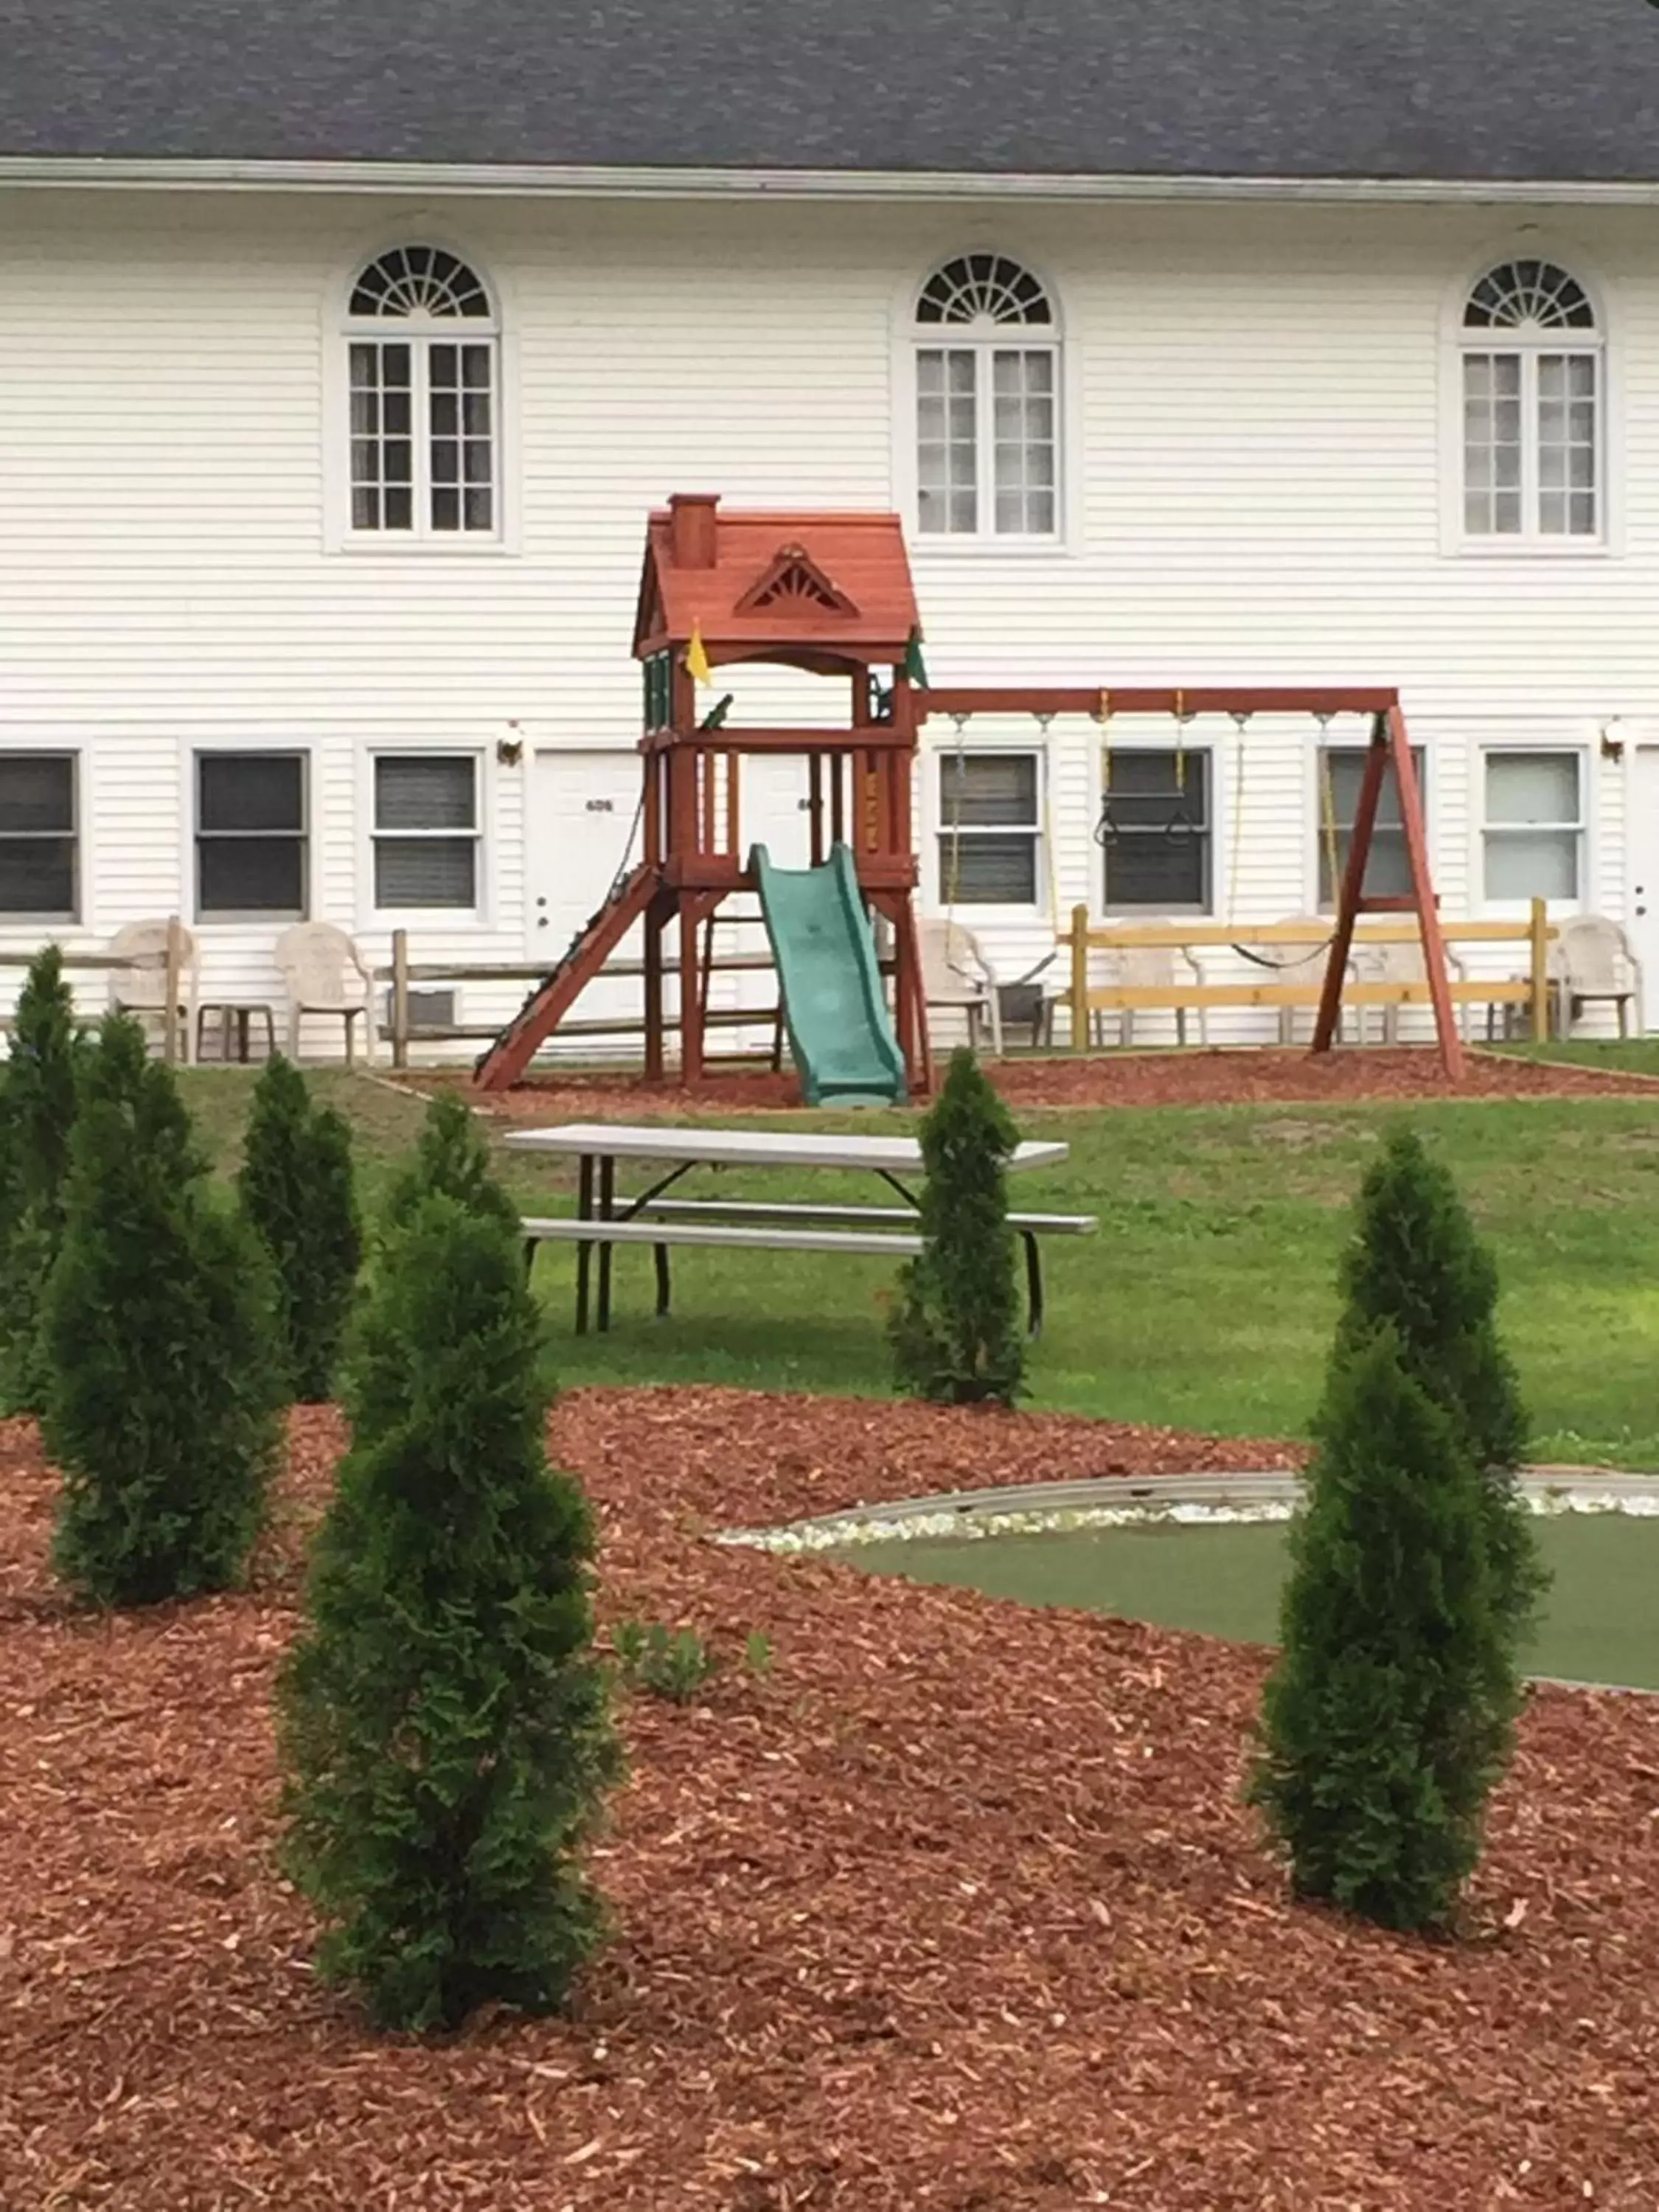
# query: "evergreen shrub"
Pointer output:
{"type": "Point", "coordinates": [1388, 1717]}
{"type": "Point", "coordinates": [299, 1193]}
{"type": "Point", "coordinates": [445, 1723]}
{"type": "Point", "coordinates": [955, 1330]}
{"type": "Point", "coordinates": [162, 1405]}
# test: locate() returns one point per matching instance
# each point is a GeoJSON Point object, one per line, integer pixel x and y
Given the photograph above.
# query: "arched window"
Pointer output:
{"type": "Point", "coordinates": [988, 402]}
{"type": "Point", "coordinates": [1532, 406]}
{"type": "Point", "coordinates": [424, 397]}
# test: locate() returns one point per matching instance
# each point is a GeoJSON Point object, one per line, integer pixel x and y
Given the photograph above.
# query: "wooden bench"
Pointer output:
{"type": "Point", "coordinates": [748, 1225]}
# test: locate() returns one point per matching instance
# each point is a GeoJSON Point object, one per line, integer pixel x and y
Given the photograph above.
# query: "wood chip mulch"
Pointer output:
{"type": "Point", "coordinates": [955, 1908]}
{"type": "Point", "coordinates": [1263, 1077]}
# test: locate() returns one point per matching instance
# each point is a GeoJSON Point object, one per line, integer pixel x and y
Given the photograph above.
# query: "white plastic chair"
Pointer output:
{"type": "Point", "coordinates": [1591, 964]}
{"type": "Point", "coordinates": [957, 976]}
{"type": "Point", "coordinates": [323, 972]}
{"type": "Point", "coordinates": [1145, 967]}
{"type": "Point", "coordinates": [138, 983]}
{"type": "Point", "coordinates": [1398, 964]}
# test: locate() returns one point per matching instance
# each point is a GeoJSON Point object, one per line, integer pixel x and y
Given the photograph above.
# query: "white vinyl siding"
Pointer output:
{"type": "Point", "coordinates": [40, 849]}
{"type": "Point", "coordinates": [1534, 826]}
{"type": "Point", "coordinates": [426, 832]}
{"type": "Point", "coordinates": [1255, 414]}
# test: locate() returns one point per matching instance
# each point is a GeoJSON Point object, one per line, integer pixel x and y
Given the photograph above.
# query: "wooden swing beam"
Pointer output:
{"type": "Point", "coordinates": [1390, 745]}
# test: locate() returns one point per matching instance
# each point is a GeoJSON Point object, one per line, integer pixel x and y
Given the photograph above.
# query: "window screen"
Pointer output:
{"type": "Point", "coordinates": [426, 831]}
{"type": "Point", "coordinates": [990, 829]}
{"type": "Point", "coordinates": [250, 834]}
{"type": "Point", "coordinates": [1154, 832]}
{"type": "Point", "coordinates": [1534, 825]}
{"type": "Point", "coordinates": [38, 834]}
{"type": "Point", "coordinates": [1388, 873]}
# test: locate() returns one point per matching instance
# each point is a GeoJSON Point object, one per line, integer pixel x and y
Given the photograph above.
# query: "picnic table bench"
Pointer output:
{"type": "Point", "coordinates": [606, 1219]}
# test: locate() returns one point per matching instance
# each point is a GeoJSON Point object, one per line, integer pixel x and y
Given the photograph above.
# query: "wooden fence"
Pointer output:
{"type": "Point", "coordinates": [1531, 991]}
{"type": "Point", "coordinates": [405, 974]}
{"type": "Point", "coordinates": [167, 991]}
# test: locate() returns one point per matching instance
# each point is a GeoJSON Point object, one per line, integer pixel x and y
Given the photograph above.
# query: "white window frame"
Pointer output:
{"type": "Point", "coordinates": [342, 330]}
{"type": "Point", "coordinates": [249, 917]}
{"type": "Point", "coordinates": [1584, 828]}
{"type": "Point", "coordinates": [985, 338]}
{"type": "Point", "coordinates": [15, 917]}
{"type": "Point", "coordinates": [1530, 344]}
{"type": "Point", "coordinates": [1216, 757]}
{"type": "Point", "coordinates": [435, 917]}
{"type": "Point", "coordinates": [1324, 744]}
{"type": "Point", "coordinates": [970, 912]}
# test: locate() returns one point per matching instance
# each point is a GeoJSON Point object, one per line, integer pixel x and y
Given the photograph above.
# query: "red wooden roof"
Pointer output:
{"type": "Point", "coordinates": [781, 584]}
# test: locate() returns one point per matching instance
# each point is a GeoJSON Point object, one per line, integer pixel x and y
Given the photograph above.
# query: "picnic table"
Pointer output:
{"type": "Point", "coordinates": [606, 1218]}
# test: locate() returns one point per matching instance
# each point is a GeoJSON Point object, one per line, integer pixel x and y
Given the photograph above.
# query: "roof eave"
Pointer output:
{"type": "Point", "coordinates": [559, 180]}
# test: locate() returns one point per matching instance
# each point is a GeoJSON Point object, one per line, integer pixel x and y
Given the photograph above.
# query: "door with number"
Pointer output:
{"type": "Point", "coordinates": [583, 809]}
{"type": "Point", "coordinates": [1643, 921]}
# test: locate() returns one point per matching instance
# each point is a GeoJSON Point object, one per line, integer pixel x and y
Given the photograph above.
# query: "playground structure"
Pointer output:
{"type": "Point", "coordinates": [831, 594]}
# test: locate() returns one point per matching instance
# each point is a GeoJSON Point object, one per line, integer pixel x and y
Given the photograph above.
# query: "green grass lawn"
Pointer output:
{"type": "Point", "coordinates": [1598, 1624]}
{"type": "Point", "coordinates": [1205, 1302]}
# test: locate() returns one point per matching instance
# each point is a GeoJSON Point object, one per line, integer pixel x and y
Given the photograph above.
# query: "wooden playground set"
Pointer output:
{"type": "Point", "coordinates": [831, 595]}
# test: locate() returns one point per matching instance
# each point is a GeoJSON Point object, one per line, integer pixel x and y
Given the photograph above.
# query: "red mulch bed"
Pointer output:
{"type": "Point", "coordinates": [956, 1908]}
{"type": "Point", "coordinates": [1199, 1079]}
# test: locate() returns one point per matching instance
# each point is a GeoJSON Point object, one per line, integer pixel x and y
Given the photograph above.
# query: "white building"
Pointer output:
{"type": "Point", "coordinates": [342, 356]}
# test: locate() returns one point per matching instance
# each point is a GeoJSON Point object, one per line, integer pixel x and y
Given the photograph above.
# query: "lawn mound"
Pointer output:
{"type": "Point", "coordinates": [955, 1907]}
{"type": "Point", "coordinates": [1263, 1077]}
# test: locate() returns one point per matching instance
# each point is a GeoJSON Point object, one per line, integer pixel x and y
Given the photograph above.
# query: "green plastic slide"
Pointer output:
{"type": "Point", "coordinates": [840, 1033]}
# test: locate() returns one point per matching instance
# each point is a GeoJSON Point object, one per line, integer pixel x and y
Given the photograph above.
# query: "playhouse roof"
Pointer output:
{"type": "Point", "coordinates": [755, 583]}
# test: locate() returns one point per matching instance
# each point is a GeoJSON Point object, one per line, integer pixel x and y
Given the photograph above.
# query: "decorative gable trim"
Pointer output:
{"type": "Point", "coordinates": [793, 583]}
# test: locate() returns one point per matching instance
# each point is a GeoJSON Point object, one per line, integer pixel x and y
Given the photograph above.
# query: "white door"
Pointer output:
{"type": "Point", "coordinates": [1642, 921]}
{"type": "Point", "coordinates": [584, 807]}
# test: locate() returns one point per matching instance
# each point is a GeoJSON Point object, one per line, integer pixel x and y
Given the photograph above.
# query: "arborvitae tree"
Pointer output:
{"type": "Point", "coordinates": [1415, 1263]}
{"type": "Point", "coordinates": [445, 1724]}
{"type": "Point", "coordinates": [451, 1159]}
{"type": "Point", "coordinates": [955, 1331]}
{"type": "Point", "coordinates": [163, 1405]}
{"type": "Point", "coordinates": [37, 1123]}
{"type": "Point", "coordinates": [298, 1191]}
{"type": "Point", "coordinates": [1388, 1717]}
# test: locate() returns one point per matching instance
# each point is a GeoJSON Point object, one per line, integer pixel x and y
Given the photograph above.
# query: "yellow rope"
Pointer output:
{"type": "Point", "coordinates": [1327, 816]}
{"type": "Point", "coordinates": [1181, 742]}
{"type": "Point", "coordinates": [1105, 718]}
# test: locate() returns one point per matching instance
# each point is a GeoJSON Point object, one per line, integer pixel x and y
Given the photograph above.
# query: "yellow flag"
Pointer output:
{"type": "Point", "coordinates": [697, 658]}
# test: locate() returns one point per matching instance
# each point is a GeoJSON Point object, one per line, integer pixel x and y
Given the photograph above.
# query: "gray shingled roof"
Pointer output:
{"type": "Point", "coordinates": [1474, 89]}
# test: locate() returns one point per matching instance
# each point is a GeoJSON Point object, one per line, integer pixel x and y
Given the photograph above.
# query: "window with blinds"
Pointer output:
{"type": "Point", "coordinates": [1154, 832]}
{"type": "Point", "coordinates": [1533, 834]}
{"type": "Point", "coordinates": [426, 832]}
{"type": "Point", "coordinates": [990, 829]}
{"type": "Point", "coordinates": [37, 836]}
{"type": "Point", "coordinates": [1387, 872]}
{"type": "Point", "coordinates": [250, 834]}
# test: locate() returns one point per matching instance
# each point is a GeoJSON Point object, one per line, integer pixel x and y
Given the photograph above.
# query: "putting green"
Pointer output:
{"type": "Point", "coordinates": [1600, 1622]}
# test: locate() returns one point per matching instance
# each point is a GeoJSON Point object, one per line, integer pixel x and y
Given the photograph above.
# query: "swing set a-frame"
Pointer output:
{"type": "Point", "coordinates": [830, 594]}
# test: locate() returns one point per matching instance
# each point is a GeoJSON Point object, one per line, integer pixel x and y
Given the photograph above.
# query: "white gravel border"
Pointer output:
{"type": "Point", "coordinates": [1208, 1501]}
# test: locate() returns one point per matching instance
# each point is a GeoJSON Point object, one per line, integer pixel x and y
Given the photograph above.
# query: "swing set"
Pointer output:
{"type": "Point", "coordinates": [1389, 749]}
{"type": "Point", "coordinates": [831, 595]}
